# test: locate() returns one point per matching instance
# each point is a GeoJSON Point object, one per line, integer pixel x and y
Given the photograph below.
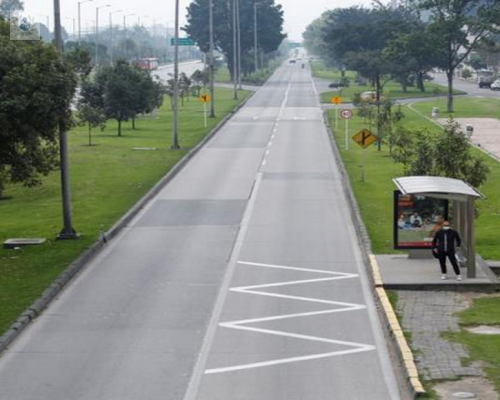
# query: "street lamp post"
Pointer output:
{"type": "Point", "coordinates": [255, 36]}
{"type": "Point", "coordinates": [235, 54]}
{"type": "Point", "coordinates": [80, 22]}
{"type": "Point", "coordinates": [211, 33]}
{"type": "Point", "coordinates": [97, 33]}
{"type": "Point", "coordinates": [68, 232]}
{"type": "Point", "coordinates": [175, 122]}
{"type": "Point", "coordinates": [111, 34]}
{"type": "Point", "coordinates": [239, 42]}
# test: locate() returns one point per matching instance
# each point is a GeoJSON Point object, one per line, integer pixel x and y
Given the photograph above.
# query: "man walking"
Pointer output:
{"type": "Point", "coordinates": [443, 245]}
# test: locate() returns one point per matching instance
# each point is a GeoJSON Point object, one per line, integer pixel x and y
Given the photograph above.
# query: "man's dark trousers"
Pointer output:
{"type": "Point", "coordinates": [442, 261]}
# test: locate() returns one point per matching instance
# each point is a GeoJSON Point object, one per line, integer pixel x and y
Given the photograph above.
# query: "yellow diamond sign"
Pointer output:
{"type": "Point", "coordinates": [365, 138]}
{"type": "Point", "coordinates": [205, 98]}
{"type": "Point", "coordinates": [336, 100]}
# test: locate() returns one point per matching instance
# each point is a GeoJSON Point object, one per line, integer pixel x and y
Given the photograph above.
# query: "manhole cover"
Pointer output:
{"type": "Point", "coordinates": [485, 330]}
{"type": "Point", "coordinates": [464, 395]}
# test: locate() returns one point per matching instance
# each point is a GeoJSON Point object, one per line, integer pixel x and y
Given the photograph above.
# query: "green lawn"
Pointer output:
{"type": "Point", "coordinates": [106, 179]}
{"type": "Point", "coordinates": [486, 348]}
{"type": "Point", "coordinates": [374, 195]}
{"type": "Point", "coordinates": [391, 89]}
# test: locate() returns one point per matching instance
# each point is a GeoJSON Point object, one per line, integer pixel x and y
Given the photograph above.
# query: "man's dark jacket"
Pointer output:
{"type": "Point", "coordinates": [446, 238]}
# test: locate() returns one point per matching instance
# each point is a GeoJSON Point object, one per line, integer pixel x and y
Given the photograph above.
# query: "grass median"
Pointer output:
{"type": "Point", "coordinates": [391, 89]}
{"type": "Point", "coordinates": [107, 179]}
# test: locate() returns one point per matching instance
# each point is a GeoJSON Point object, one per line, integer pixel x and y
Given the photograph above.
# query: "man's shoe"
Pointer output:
{"type": "Point", "coordinates": [459, 277]}
{"type": "Point", "coordinates": [443, 277]}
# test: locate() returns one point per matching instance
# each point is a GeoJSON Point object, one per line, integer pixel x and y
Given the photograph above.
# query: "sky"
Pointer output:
{"type": "Point", "coordinates": [298, 13]}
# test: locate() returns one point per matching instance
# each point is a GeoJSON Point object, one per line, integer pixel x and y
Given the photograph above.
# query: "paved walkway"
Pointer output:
{"type": "Point", "coordinates": [427, 315]}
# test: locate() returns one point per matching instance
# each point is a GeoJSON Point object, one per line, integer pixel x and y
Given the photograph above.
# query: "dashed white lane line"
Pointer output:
{"type": "Point", "coordinates": [257, 290]}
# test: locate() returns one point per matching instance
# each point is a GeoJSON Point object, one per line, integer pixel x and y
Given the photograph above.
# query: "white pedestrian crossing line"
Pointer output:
{"type": "Point", "coordinates": [353, 347]}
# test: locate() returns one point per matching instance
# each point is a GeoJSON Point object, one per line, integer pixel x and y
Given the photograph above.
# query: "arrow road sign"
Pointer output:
{"type": "Point", "coordinates": [336, 100]}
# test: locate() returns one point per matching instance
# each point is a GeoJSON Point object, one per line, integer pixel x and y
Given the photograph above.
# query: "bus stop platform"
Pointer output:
{"type": "Point", "coordinates": [399, 272]}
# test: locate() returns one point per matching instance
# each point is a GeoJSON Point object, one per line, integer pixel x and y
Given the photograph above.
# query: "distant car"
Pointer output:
{"type": "Point", "coordinates": [292, 61]}
{"type": "Point", "coordinates": [495, 85]}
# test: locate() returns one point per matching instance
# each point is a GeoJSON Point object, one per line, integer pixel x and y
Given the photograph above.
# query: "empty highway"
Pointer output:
{"type": "Point", "coordinates": [241, 280]}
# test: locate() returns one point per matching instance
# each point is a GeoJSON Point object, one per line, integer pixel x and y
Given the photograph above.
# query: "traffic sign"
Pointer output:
{"type": "Point", "coordinates": [336, 100]}
{"type": "Point", "coordinates": [365, 138]}
{"type": "Point", "coordinates": [182, 42]}
{"type": "Point", "coordinates": [346, 114]}
{"type": "Point", "coordinates": [205, 98]}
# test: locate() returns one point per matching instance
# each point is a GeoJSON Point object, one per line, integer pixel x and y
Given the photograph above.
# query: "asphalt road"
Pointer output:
{"type": "Point", "coordinates": [166, 72]}
{"type": "Point", "coordinates": [241, 280]}
{"type": "Point", "coordinates": [467, 86]}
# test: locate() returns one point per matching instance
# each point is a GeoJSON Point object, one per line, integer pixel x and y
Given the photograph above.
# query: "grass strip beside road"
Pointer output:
{"type": "Point", "coordinates": [107, 179]}
{"type": "Point", "coordinates": [374, 195]}
{"type": "Point", "coordinates": [374, 198]}
{"type": "Point", "coordinates": [484, 311]}
{"type": "Point", "coordinates": [391, 89]}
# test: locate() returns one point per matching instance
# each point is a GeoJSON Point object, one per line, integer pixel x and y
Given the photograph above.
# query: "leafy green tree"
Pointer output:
{"type": "Point", "coordinates": [6, 6]}
{"type": "Point", "coordinates": [200, 80]}
{"type": "Point", "coordinates": [457, 28]}
{"type": "Point", "coordinates": [36, 91]}
{"type": "Point", "coordinates": [80, 59]}
{"type": "Point", "coordinates": [119, 94]}
{"type": "Point", "coordinates": [447, 154]}
{"type": "Point", "coordinates": [148, 93]}
{"type": "Point", "coordinates": [90, 106]}
{"type": "Point", "coordinates": [269, 17]}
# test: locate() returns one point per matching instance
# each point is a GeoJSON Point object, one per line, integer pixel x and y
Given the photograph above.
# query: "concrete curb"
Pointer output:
{"type": "Point", "coordinates": [35, 309]}
{"type": "Point", "coordinates": [399, 348]}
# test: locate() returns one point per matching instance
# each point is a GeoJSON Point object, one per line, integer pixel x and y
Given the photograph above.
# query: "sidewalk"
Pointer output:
{"type": "Point", "coordinates": [398, 272]}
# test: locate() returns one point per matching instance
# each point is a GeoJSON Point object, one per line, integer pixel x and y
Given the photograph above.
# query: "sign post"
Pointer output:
{"type": "Point", "coordinates": [205, 98]}
{"type": "Point", "coordinates": [364, 138]}
{"type": "Point", "coordinates": [346, 114]}
{"type": "Point", "coordinates": [336, 100]}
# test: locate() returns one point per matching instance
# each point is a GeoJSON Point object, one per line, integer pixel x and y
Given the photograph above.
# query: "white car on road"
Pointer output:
{"type": "Point", "coordinates": [495, 85]}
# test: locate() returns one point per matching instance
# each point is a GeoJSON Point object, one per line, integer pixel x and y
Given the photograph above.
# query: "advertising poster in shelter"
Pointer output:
{"type": "Point", "coordinates": [417, 219]}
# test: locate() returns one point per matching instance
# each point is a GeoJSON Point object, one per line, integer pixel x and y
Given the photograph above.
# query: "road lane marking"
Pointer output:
{"type": "Point", "coordinates": [257, 290]}
{"type": "Point", "coordinates": [199, 368]}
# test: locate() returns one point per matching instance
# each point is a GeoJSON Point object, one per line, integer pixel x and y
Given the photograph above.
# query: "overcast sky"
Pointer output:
{"type": "Point", "coordinates": [298, 13]}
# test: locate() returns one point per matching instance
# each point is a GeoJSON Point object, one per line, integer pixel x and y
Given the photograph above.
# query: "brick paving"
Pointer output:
{"type": "Point", "coordinates": [426, 315]}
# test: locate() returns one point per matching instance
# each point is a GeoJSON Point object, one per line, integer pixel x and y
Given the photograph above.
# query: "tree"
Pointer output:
{"type": "Point", "coordinates": [80, 59]}
{"type": "Point", "coordinates": [148, 93]}
{"type": "Point", "coordinates": [448, 154]}
{"type": "Point", "coordinates": [200, 80]}
{"type": "Point", "coordinates": [119, 93]}
{"type": "Point", "coordinates": [90, 106]}
{"type": "Point", "coordinates": [458, 27]}
{"type": "Point", "coordinates": [37, 88]}
{"type": "Point", "coordinates": [270, 21]}
{"type": "Point", "coordinates": [6, 6]}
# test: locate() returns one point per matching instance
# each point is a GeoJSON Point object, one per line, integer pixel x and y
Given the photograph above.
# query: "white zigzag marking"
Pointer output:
{"type": "Point", "coordinates": [241, 324]}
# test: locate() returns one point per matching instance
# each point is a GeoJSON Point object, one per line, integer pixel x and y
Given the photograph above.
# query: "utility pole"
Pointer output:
{"type": "Point", "coordinates": [97, 33]}
{"type": "Point", "coordinates": [68, 232]}
{"type": "Point", "coordinates": [239, 42]}
{"type": "Point", "coordinates": [111, 36]}
{"type": "Point", "coordinates": [255, 57]}
{"type": "Point", "coordinates": [235, 54]}
{"type": "Point", "coordinates": [175, 122]}
{"type": "Point", "coordinates": [211, 61]}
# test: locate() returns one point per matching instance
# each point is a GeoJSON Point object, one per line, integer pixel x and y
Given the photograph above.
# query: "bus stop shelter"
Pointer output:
{"type": "Point", "coordinates": [461, 197]}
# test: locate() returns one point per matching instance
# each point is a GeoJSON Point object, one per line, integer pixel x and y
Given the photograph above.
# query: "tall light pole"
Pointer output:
{"type": "Point", "coordinates": [111, 34]}
{"type": "Point", "coordinates": [97, 33]}
{"type": "Point", "coordinates": [211, 67]}
{"type": "Point", "coordinates": [68, 232]}
{"type": "Point", "coordinates": [74, 33]}
{"type": "Point", "coordinates": [175, 122]}
{"type": "Point", "coordinates": [125, 21]}
{"type": "Point", "coordinates": [80, 21]}
{"type": "Point", "coordinates": [255, 58]}
{"type": "Point", "coordinates": [238, 29]}
{"type": "Point", "coordinates": [235, 54]}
